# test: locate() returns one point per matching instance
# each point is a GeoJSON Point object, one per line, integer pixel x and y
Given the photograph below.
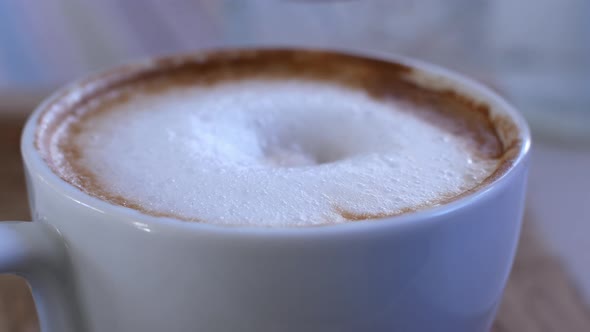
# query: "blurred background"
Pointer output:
{"type": "Point", "coordinates": [535, 52]}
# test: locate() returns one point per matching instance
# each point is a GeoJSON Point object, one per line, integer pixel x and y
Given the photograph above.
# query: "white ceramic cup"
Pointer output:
{"type": "Point", "coordinates": [97, 267]}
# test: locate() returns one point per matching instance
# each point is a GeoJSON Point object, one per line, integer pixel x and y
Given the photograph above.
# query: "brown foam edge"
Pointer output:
{"type": "Point", "coordinates": [496, 135]}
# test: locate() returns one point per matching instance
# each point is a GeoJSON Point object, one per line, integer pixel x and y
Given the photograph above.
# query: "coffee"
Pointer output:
{"type": "Point", "coordinates": [271, 138]}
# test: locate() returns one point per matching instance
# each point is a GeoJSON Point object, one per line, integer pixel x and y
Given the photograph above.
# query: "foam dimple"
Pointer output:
{"type": "Point", "coordinates": [270, 153]}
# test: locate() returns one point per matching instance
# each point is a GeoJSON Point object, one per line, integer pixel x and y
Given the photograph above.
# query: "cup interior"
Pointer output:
{"type": "Point", "coordinates": [386, 73]}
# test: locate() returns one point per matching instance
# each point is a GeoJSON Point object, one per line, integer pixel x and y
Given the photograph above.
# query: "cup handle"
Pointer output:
{"type": "Point", "coordinates": [36, 251]}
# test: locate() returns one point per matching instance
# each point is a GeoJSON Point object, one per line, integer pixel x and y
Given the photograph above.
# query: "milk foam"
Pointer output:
{"type": "Point", "coordinates": [272, 153]}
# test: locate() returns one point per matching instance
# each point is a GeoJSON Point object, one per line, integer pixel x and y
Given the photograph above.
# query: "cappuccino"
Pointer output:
{"type": "Point", "coordinates": [277, 138]}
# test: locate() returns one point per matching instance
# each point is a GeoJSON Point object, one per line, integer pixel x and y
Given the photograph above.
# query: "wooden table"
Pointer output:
{"type": "Point", "coordinates": [539, 296]}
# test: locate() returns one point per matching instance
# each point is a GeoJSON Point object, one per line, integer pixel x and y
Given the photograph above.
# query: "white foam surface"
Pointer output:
{"type": "Point", "coordinates": [274, 153]}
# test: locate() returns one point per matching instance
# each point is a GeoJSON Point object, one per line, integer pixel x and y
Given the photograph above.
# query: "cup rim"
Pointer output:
{"type": "Point", "coordinates": [37, 167]}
